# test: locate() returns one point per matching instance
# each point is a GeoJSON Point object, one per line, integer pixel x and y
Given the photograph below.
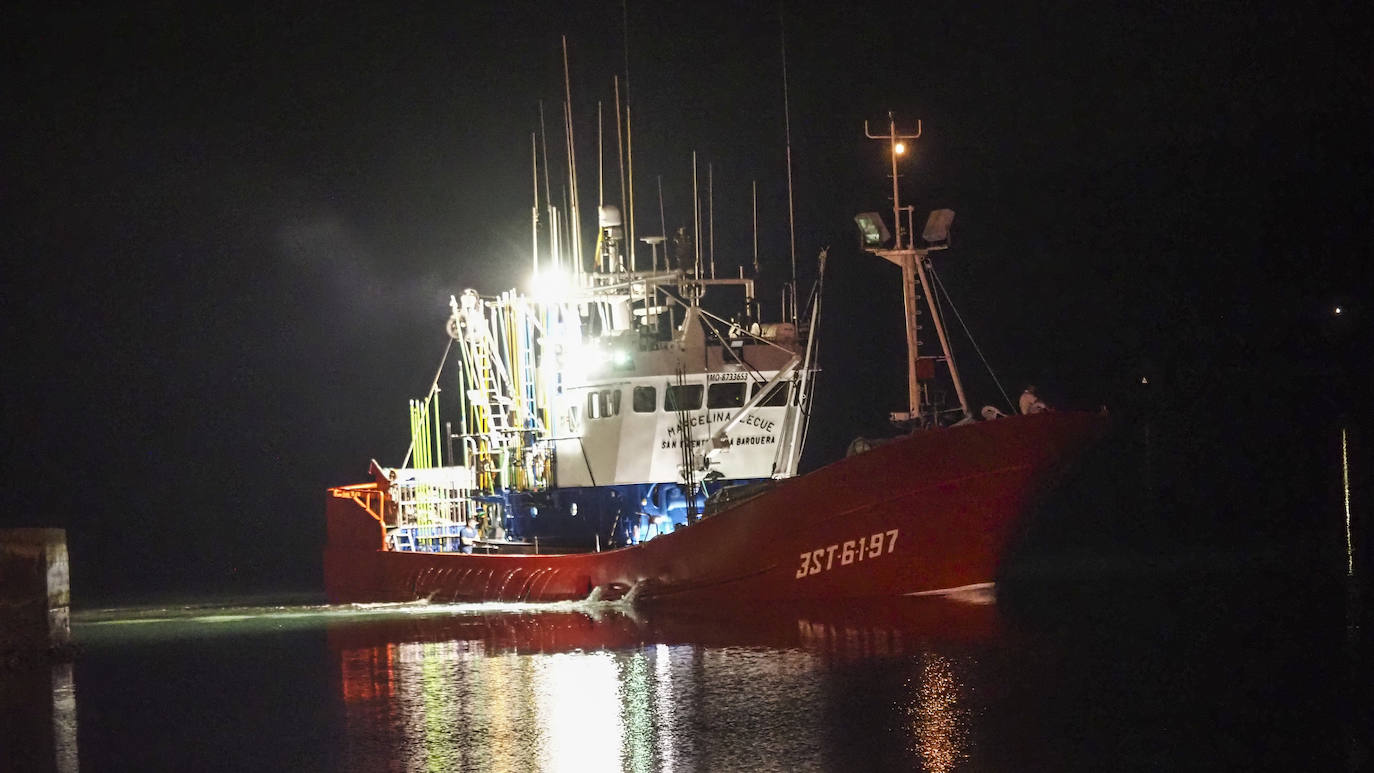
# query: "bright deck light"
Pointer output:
{"type": "Point", "coordinates": [550, 285]}
{"type": "Point", "coordinates": [899, 148]}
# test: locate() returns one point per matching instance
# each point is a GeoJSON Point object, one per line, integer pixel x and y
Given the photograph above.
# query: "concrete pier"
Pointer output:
{"type": "Point", "coordinates": [35, 594]}
{"type": "Point", "coordinates": [37, 697]}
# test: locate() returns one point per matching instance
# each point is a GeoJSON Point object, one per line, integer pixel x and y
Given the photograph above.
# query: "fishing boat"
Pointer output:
{"type": "Point", "coordinates": [635, 432]}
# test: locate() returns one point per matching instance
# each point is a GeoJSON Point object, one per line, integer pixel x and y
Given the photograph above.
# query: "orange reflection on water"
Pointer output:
{"type": "Point", "coordinates": [366, 674]}
{"type": "Point", "coordinates": [936, 720]}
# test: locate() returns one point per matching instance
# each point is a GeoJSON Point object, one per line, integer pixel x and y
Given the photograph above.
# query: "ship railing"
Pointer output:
{"type": "Point", "coordinates": [435, 497]}
{"type": "Point", "coordinates": [429, 507]}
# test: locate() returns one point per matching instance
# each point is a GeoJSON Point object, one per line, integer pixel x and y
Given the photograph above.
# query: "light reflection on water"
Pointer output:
{"type": "Point", "coordinates": [935, 720]}
{"type": "Point", "coordinates": [1114, 676]}
{"type": "Point", "coordinates": [38, 722]}
{"type": "Point", "coordinates": [571, 691]}
{"type": "Point", "coordinates": [454, 707]}
{"type": "Point", "coordinates": [585, 686]}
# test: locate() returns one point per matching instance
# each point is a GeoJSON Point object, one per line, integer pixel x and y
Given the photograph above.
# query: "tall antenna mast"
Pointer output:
{"type": "Point", "coordinates": [630, 172]}
{"type": "Point", "coordinates": [554, 260]}
{"type": "Point", "coordinates": [566, 233]}
{"type": "Point", "coordinates": [787, 127]}
{"type": "Point", "coordinates": [696, 219]}
{"type": "Point", "coordinates": [629, 216]}
{"type": "Point", "coordinates": [755, 187]}
{"type": "Point", "coordinates": [625, 38]}
{"type": "Point", "coordinates": [600, 161]}
{"type": "Point", "coordinates": [534, 210]}
{"type": "Point", "coordinates": [620, 148]}
{"type": "Point", "coordinates": [711, 214]}
{"type": "Point", "coordinates": [575, 221]}
{"type": "Point", "coordinates": [662, 225]}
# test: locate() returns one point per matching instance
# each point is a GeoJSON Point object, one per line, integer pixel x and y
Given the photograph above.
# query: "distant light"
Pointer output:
{"type": "Point", "coordinates": [899, 148]}
{"type": "Point", "coordinates": [1144, 379]}
{"type": "Point", "coordinates": [1339, 311]}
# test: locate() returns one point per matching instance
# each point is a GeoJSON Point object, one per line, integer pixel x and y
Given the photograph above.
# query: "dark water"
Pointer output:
{"type": "Point", "coordinates": [1109, 647]}
{"type": "Point", "coordinates": [1214, 662]}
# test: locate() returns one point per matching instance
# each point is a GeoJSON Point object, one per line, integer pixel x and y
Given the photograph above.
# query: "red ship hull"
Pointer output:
{"type": "Point", "coordinates": [929, 513]}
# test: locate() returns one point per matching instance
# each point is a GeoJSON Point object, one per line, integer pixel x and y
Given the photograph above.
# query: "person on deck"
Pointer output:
{"type": "Point", "coordinates": [467, 537]}
{"type": "Point", "coordinates": [1031, 402]}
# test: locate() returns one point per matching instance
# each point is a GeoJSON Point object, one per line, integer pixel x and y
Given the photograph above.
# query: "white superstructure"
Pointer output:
{"type": "Point", "coordinates": [626, 378]}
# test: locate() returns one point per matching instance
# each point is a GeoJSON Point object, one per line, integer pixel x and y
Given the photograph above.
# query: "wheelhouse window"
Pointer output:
{"type": "Point", "coordinates": [603, 403]}
{"type": "Point", "coordinates": [645, 399]}
{"type": "Point", "coordinates": [682, 397]}
{"type": "Point", "coordinates": [728, 394]}
{"type": "Point", "coordinates": [776, 396]}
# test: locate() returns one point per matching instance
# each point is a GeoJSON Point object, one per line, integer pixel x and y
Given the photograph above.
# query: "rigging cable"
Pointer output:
{"type": "Point", "coordinates": [433, 390]}
{"type": "Point", "coordinates": [813, 335]}
{"type": "Point", "coordinates": [725, 343]}
{"type": "Point", "coordinates": [940, 286]}
{"type": "Point", "coordinates": [787, 130]}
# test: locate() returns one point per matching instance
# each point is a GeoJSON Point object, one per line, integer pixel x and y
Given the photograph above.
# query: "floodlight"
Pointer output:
{"type": "Point", "coordinates": [937, 226]}
{"type": "Point", "coordinates": [551, 285]}
{"type": "Point", "coordinates": [872, 232]}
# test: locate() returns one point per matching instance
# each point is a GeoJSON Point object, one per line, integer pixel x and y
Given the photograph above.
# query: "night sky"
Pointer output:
{"type": "Point", "coordinates": [231, 237]}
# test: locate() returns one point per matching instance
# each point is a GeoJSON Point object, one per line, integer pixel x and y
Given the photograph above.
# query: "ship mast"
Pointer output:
{"type": "Point", "coordinates": [534, 211]}
{"type": "Point", "coordinates": [787, 130]}
{"type": "Point", "coordinates": [912, 261]}
{"type": "Point", "coordinates": [575, 231]}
